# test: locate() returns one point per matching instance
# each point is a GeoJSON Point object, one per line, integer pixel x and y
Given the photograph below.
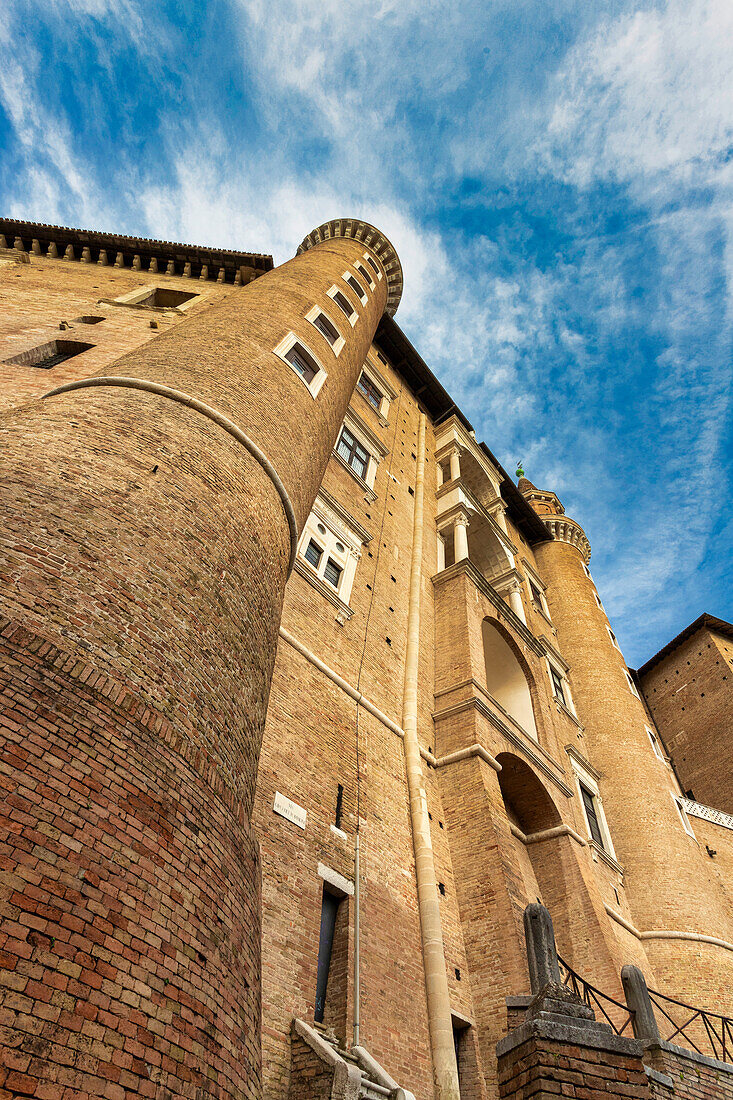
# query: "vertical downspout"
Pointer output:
{"type": "Point", "coordinates": [436, 981]}
{"type": "Point", "coordinates": [357, 961]}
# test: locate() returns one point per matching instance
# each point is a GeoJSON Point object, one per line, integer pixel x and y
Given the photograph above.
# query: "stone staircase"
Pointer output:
{"type": "Point", "coordinates": [321, 1069]}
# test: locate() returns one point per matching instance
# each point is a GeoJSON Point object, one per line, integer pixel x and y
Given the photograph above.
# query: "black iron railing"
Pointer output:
{"type": "Point", "coordinates": [685, 1025]}
{"type": "Point", "coordinates": [617, 1015]}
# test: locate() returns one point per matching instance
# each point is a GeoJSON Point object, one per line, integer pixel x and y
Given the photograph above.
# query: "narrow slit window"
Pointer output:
{"type": "Point", "coordinates": [372, 264]}
{"type": "Point", "coordinates": [536, 594]}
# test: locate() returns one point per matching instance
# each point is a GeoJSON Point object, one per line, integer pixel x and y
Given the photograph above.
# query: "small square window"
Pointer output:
{"type": "Point", "coordinates": [356, 287]}
{"type": "Point", "coordinates": [364, 274]}
{"type": "Point", "coordinates": [332, 573]}
{"type": "Point", "coordinates": [313, 553]}
{"type": "Point", "coordinates": [326, 328]}
{"type": "Point", "coordinates": [302, 362]}
{"type": "Point", "coordinates": [344, 304]}
{"type": "Point", "coordinates": [353, 452]}
{"type": "Point", "coordinates": [366, 387]}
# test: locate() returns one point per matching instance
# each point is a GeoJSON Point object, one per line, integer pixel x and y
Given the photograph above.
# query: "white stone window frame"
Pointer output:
{"type": "Point", "coordinates": [332, 292]}
{"type": "Point", "coordinates": [685, 821]}
{"type": "Point", "coordinates": [313, 314]}
{"type": "Point", "coordinates": [364, 297]}
{"type": "Point", "coordinates": [371, 444]}
{"type": "Point", "coordinates": [338, 529]}
{"type": "Point", "coordinates": [541, 588]}
{"type": "Point", "coordinates": [379, 383]}
{"type": "Point", "coordinates": [630, 684]}
{"type": "Point", "coordinates": [369, 257]}
{"type": "Point", "coordinates": [582, 776]}
{"type": "Point", "coordinates": [562, 671]}
{"type": "Point", "coordinates": [366, 273]}
{"type": "Point", "coordinates": [614, 639]}
{"type": "Point", "coordinates": [287, 343]}
{"type": "Point", "coordinates": [598, 601]}
{"type": "Point", "coordinates": [587, 571]}
{"type": "Point", "coordinates": [656, 747]}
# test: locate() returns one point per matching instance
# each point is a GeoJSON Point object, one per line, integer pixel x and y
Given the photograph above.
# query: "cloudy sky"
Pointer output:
{"type": "Point", "coordinates": [557, 177]}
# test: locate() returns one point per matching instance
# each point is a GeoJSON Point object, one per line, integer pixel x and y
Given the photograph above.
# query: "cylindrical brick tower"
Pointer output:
{"type": "Point", "coordinates": [150, 517]}
{"type": "Point", "coordinates": [677, 906]}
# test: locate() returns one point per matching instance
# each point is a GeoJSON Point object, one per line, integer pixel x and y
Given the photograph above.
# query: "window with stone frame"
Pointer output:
{"type": "Point", "coordinates": [368, 389]}
{"type": "Point", "coordinates": [329, 550]}
{"type": "Point", "coordinates": [353, 452]}
{"type": "Point", "coordinates": [591, 815]}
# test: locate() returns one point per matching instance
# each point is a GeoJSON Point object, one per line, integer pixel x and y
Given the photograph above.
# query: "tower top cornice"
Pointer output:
{"type": "Point", "coordinates": [375, 240]}
{"type": "Point", "coordinates": [564, 529]}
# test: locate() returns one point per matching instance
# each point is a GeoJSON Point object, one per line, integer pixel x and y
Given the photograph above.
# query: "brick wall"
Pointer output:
{"type": "Point", "coordinates": [541, 1067]}
{"type": "Point", "coordinates": [690, 694]}
{"type": "Point", "coordinates": [692, 1077]}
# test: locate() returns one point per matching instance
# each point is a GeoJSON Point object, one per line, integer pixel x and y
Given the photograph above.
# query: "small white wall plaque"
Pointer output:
{"type": "Point", "coordinates": [290, 810]}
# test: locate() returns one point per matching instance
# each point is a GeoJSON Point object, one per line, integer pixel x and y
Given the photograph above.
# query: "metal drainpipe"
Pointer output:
{"type": "Point", "coordinates": [436, 981]}
{"type": "Point", "coordinates": [357, 961]}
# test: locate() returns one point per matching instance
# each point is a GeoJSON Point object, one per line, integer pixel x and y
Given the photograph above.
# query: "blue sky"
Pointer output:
{"type": "Point", "coordinates": [557, 177]}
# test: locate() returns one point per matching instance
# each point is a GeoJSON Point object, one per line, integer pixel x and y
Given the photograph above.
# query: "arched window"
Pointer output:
{"type": "Point", "coordinates": [506, 680]}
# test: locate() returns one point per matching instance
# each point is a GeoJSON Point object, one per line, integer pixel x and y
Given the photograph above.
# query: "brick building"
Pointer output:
{"type": "Point", "coordinates": [290, 660]}
{"type": "Point", "coordinates": [688, 687]}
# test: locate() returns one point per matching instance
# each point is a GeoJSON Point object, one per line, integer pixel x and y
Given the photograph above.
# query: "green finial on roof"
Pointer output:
{"type": "Point", "coordinates": [520, 471]}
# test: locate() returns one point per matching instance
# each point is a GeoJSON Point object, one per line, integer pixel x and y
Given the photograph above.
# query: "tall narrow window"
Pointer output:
{"type": "Point", "coordinates": [373, 265]}
{"type": "Point", "coordinates": [329, 912]}
{"type": "Point", "coordinates": [589, 805]}
{"type": "Point", "coordinates": [558, 686]}
{"type": "Point", "coordinates": [352, 452]}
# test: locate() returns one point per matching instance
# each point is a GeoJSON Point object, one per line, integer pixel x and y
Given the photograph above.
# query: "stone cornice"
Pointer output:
{"type": "Point", "coordinates": [373, 239]}
{"type": "Point", "coordinates": [564, 529]}
{"type": "Point", "coordinates": [91, 246]}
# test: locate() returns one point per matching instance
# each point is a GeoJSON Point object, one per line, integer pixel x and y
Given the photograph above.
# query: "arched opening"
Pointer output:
{"type": "Point", "coordinates": [486, 550]}
{"type": "Point", "coordinates": [506, 680]}
{"type": "Point", "coordinates": [527, 803]}
{"type": "Point", "coordinates": [531, 810]}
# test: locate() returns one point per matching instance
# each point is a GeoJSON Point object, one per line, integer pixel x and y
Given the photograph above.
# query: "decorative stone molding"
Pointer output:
{"type": "Point", "coordinates": [136, 253]}
{"type": "Point", "coordinates": [375, 240]}
{"type": "Point", "coordinates": [564, 529]}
